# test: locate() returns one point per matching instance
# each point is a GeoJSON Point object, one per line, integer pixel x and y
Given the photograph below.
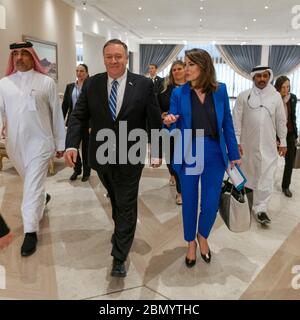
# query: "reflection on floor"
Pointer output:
{"type": "Point", "coordinates": [73, 258]}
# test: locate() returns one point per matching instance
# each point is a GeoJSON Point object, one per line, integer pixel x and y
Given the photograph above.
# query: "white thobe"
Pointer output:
{"type": "Point", "coordinates": [258, 117]}
{"type": "Point", "coordinates": [30, 110]}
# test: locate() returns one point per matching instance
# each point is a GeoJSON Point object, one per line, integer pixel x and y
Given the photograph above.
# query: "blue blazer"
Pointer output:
{"type": "Point", "coordinates": [181, 105]}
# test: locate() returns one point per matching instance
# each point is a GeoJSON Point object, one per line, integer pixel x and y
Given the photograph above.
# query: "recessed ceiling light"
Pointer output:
{"type": "Point", "coordinates": [254, 20]}
{"type": "Point", "coordinates": [102, 19]}
{"type": "Point", "coordinates": [140, 8]}
{"type": "Point", "coordinates": [148, 19]}
{"type": "Point", "coordinates": [246, 28]}
{"type": "Point", "coordinates": [84, 5]}
{"type": "Point", "coordinates": [200, 19]}
{"type": "Point", "coordinates": [155, 27]}
{"type": "Point", "coordinates": [125, 33]}
{"type": "Point", "coordinates": [266, 7]}
{"type": "Point", "coordinates": [160, 33]}
{"type": "Point", "coordinates": [201, 8]}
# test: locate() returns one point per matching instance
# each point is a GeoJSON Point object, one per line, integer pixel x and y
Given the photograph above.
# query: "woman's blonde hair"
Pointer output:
{"type": "Point", "coordinates": [169, 80]}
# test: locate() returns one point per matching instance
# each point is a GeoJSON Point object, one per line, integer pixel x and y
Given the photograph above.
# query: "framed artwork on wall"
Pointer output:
{"type": "Point", "coordinates": [47, 53]}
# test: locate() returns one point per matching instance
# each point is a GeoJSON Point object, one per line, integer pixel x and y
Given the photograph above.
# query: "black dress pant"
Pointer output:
{"type": "Point", "coordinates": [289, 160]}
{"type": "Point", "coordinates": [123, 194]}
{"type": "Point", "coordinates": [4, 230]}
{"type": "Point", "coordinates": [174, 173]}
{"type": "Point", "coordinates": [170, 168]}
{"type": "Point", "coordinates": [84, 151]}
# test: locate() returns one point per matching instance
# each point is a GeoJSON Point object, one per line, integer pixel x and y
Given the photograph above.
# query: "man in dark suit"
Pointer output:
{"type": "Point", "coordinates": [157, 88]}
{"type": "Point", "coordinates": [71, 96]}
{"type": "Point", "coordinates": [157, 81]}
{"type": "Point", "coordinates": [108, 100]}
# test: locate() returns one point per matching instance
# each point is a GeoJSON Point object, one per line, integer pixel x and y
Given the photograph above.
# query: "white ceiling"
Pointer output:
{"type": "Point", "coordinates": [178, 21]}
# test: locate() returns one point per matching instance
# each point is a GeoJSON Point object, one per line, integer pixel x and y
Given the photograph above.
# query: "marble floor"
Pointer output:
{"type": "Point", "coordinates": [73, 257]}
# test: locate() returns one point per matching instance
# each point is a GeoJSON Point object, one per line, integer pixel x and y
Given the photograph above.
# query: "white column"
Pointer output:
{"type": "Point", "coordinates": [136, 62]}
{"type": "Point", "coordinates": [92, 53]}
{"type": "Point", "coordinates": [265, 55]}
{"type": "Point", "coordinates": [2, 17]}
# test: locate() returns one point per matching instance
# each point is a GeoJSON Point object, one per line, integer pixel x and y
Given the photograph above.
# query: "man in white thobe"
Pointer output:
{"type": "Point", "coordinates": [33, 126]}
{"type": "Point", "coordinates": [258, 117]}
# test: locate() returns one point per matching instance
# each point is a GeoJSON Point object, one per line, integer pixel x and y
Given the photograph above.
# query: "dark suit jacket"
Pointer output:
{"type": "Point", "coordinates": [138, 107]}
{"type": "Point", "coordinates": [293, 113]}
{"type": "Point", "coordinates": [158, 85]}
{"type": "Point", "coordinates": [164, 99]}
{"type": "Point", "coordinates": [67, 105]}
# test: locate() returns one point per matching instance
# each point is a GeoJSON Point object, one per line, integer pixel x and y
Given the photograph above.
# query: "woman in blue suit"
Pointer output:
{"type": "Point", "coordinates": [202, 103]}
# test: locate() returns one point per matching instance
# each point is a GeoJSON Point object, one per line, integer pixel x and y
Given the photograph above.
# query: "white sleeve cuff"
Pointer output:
{"type": "Point", "coordinates": [69, 149]}
{"type": "Point", "coordinates": [282, 142]}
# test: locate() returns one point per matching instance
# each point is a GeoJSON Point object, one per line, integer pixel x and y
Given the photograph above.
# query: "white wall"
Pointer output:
{"type": "Point", "coordinates": [94, 33]}
{"type": "Point", "coordinates": [50, 20]}
{"type": "Point", "coordinates": [92, 53]}
{"type": "Point", "coordinates": [136, 62]}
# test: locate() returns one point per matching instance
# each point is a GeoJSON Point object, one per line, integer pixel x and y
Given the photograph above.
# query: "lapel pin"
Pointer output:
{"type": "Point", "coordinates": [130, 83]}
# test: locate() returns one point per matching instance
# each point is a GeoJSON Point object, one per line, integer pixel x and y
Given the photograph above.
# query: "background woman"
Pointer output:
{"type": "Point", "coordinates": [282, 85]}
{"type": "Point", "coordinates": [175, 79]}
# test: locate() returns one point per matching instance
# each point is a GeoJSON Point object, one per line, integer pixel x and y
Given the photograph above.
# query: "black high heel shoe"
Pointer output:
{"type": "Point", "coordinates": [206, 257]}
{"type": "Point", "coordinates": [190, 262]}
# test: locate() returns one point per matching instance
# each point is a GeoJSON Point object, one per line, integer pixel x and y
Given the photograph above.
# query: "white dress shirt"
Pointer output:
{"type": "Point", "coordinates": [120, 93]}
{"type": "Point", "coordinates": [120, 89]}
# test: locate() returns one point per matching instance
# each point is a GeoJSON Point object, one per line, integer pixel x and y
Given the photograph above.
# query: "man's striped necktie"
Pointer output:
{"type": "Point", "coordinates": [113, 100]}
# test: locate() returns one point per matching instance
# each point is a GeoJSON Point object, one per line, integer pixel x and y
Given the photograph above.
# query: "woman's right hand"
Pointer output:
{"type": "Point", "coordinates": [169, 119]}
{"type": "Point", "coordinates": [240, 150]}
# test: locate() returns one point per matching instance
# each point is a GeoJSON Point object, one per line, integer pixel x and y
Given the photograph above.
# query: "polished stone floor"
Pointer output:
{"type": "Point", "coordinates": [73, 257]}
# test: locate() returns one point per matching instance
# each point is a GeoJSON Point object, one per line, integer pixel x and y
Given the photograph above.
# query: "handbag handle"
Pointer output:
{"type": "Point", "coordinates": [241, 197]}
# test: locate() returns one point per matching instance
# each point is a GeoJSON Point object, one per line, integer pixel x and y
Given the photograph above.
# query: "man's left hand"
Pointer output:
{"type": "Point", "coordinates": [156, 162]}
{"type": "Point", "coordinates": [59, 154]}
{"type": "Point", "coordinates": [282, 151]}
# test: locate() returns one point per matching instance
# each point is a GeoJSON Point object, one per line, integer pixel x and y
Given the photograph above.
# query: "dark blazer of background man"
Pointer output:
{"type": "Point", "coordinates": [157, 81]}
{"type": "Point", "coordinates": [138, 107]}
{"type": "Point", "coordinates": [67, 104]}
{"type": "Point", "coordinates": [67, 107]}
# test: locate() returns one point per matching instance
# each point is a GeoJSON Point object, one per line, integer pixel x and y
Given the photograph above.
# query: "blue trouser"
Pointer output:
{"type": "Point", "coordinates": [211, 184]}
